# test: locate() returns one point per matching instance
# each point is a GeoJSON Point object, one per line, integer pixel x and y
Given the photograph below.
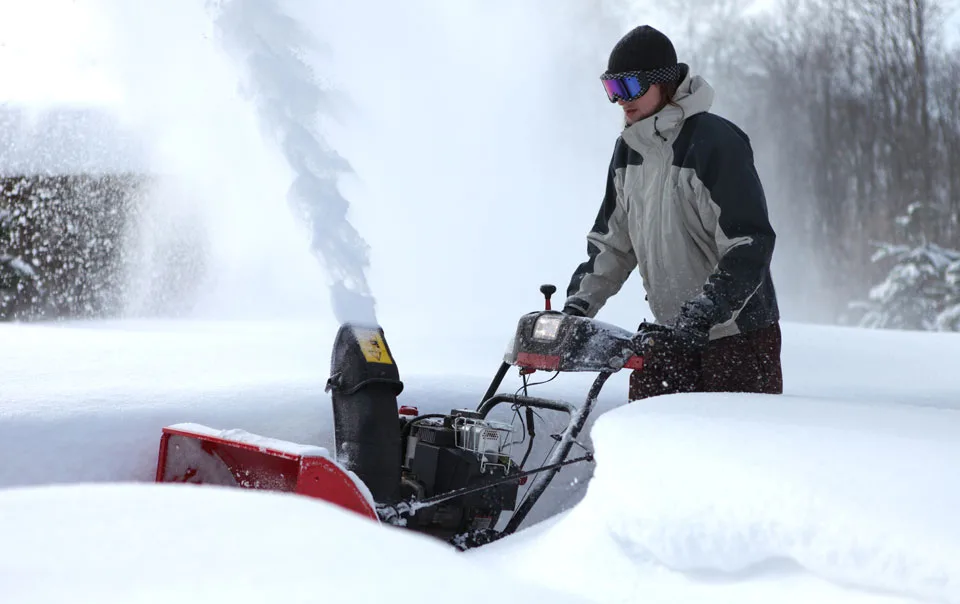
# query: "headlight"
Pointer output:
{"type": "Point", "coordinates": [546, 327]}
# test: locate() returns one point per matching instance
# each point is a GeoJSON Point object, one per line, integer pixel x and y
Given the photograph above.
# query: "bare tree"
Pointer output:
{"type": "Point", "coordinates": [859, 110]}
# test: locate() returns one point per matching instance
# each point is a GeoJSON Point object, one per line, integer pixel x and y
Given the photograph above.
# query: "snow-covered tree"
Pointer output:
{"type": "Point", "coordinates": [921, 288]}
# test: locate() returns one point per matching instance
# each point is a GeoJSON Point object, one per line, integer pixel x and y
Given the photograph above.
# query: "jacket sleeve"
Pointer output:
{"type": "Point", "coordinates": [610, 256]}
{"type": "Point", "coordinates": [743, 234]}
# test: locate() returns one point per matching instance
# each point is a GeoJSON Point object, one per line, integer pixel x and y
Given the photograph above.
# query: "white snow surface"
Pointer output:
{"type": "Point", "coordinates": [725, 493]}
{"type": "Point", "coordinates": [256, 440]}
{"type": "Point", "coordinates": [843, 489]}
{"type": "Point", "coordinates": [160, 543]}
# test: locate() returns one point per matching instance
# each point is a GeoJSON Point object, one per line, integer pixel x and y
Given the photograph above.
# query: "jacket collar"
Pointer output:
{"type": "Point", "coordinates": [693, 96]}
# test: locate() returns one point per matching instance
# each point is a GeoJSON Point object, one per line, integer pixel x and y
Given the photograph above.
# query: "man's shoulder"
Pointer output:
{"type": "Point", "coordinates": [705, 134]}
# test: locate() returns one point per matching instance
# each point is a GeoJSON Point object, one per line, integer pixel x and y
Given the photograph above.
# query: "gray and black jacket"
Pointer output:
{"type": "Point", "coordinates": [684, 205]}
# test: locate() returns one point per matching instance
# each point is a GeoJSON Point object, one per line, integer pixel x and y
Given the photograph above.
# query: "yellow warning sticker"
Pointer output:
{"type": "Point", "coordinates": [373, 347]}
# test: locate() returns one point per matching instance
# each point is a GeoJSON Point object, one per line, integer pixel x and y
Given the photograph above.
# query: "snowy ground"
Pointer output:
{"type": "Point", "coordinates": [136, 543]}
{"type": "Point", "coordinates": [738, 499]}
{"type": "Point", "coordinates": [843, 489]}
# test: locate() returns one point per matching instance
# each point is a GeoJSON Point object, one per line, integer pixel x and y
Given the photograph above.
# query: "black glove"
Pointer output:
{"type": "Point", "coordinates": [672, 360]}
{"type": "Point", "coordinates": [652, 338]}
{"type": "Point", "coordinates": [693, 323]}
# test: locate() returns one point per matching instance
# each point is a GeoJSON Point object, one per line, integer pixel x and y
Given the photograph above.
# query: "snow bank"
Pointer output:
{"type": "Point", "coordinates": [86, 402]}
{"type": "Point", "coordinates": [872, 366]}
{"type": "Point", "coordinates": [731, 491]}
{"type": "Point", "coordinates": [152, 543]}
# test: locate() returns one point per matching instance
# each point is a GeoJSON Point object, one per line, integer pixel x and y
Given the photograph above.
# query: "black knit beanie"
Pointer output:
{"type": "Point", "coordinates": [642, 49]}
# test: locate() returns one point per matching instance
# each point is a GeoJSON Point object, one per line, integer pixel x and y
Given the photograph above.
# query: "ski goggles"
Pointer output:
{"type": "Point", "coordinates": [632, 85]}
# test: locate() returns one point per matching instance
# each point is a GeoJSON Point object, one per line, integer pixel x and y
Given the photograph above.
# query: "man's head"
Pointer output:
{"type": "Point", "coordinates": [647, 63]}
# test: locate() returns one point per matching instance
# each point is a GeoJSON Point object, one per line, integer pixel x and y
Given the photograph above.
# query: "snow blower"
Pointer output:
{"type": "Point", "coordinates": [449, 475]}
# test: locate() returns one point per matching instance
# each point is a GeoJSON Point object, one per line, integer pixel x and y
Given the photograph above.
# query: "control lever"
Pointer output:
{"type": "Point", "coordinates": [547, 290]}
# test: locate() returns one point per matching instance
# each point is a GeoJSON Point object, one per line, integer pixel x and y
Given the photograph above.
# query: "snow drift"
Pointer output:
{"type": "Point", "coordinates": [163, 543]}
{"type": "Point", "coordinates": [729, 489]}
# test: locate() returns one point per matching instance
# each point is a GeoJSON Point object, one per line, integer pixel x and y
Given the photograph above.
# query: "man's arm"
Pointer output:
{"type": "Point", "coordinates": [745, 238]}
{"type": "Point", "coordinates": [610, 257]}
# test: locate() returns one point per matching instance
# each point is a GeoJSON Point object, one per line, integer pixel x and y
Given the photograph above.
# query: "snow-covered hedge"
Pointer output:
{"type": "Point", "coordinates": [61, 242]}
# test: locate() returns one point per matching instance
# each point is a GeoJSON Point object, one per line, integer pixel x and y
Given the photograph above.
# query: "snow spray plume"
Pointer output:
{"type": "Point", "coordinates": [289, 99]}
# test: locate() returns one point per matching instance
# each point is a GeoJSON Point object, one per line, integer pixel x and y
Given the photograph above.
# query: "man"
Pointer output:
{"type": "Point", "coordinates": [684, 205]}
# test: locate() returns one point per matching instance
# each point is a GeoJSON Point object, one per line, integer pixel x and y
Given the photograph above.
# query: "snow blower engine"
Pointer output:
{"type": "Point", "coordinates": [452, 474]}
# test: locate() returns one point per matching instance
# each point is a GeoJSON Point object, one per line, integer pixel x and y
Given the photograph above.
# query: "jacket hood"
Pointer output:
{"type": "Point", "coordinates": [694, 96]}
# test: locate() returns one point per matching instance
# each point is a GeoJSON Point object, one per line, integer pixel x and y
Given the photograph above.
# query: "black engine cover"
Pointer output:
{"type": "Point", "coordinates": [440, 467]}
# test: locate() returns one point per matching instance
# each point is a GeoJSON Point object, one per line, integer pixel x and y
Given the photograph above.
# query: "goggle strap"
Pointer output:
{"type": "Point", "coordinates": [663, 74]}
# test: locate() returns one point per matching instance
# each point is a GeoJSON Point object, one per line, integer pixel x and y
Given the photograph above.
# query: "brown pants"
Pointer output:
{"type": "Point", "coordinates": [747, 362]}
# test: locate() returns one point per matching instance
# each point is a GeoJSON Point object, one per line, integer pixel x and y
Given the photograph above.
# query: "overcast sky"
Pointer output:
{"type": "Point", "coordinates": [52, 51]}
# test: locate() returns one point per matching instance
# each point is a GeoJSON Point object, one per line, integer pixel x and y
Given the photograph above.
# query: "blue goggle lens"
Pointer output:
{"type": "Point", "coordinates": [627, 87]}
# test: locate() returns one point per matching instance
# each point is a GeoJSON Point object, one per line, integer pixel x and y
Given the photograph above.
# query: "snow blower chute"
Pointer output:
{"type": "Point", "coordinates": [450, 475]}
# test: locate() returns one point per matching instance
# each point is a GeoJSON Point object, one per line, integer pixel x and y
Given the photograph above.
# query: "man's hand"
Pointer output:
{"type": "Point", "coordinates": [694, 322]}
{"type": "Point", "coordinates": [671, 360]}
{"type": "Point", "coordinates": [652, 338]}
{"type": "Point", "coordinates": [692, 337]}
